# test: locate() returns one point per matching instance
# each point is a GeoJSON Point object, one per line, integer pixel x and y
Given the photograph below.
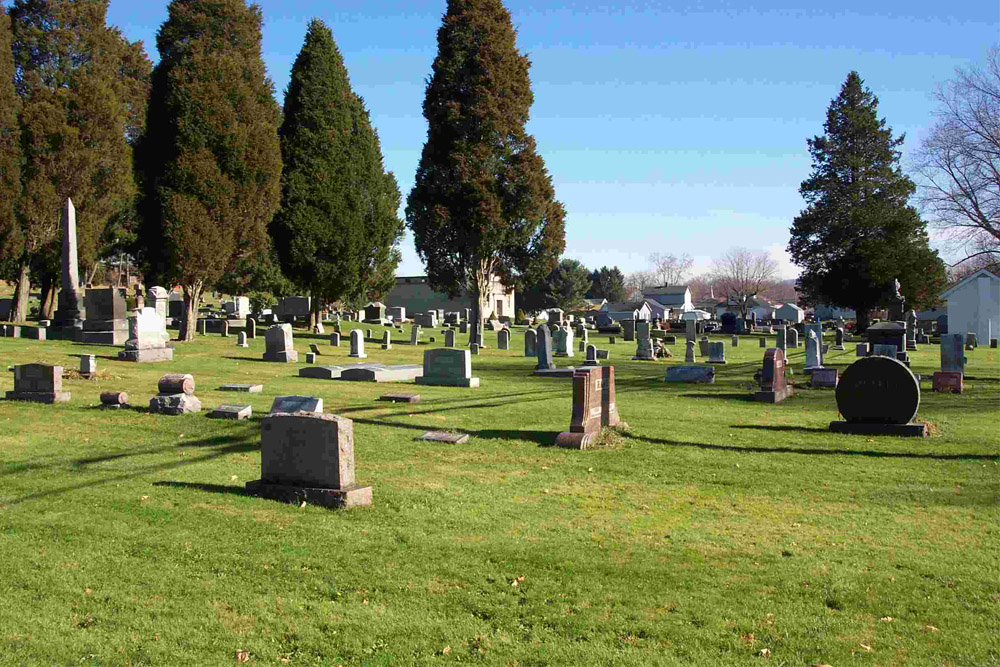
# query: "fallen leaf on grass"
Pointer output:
{"type": "Point", "coordinates": [866, 647]}
{"type": "Point", "coordinates": [887, 619]}
{"type": "Point", "coordinates": [242, 656]}
{"type": "Point", "coordinates": [233, 478]}
{"type": "Point", "coordinates": [88, 591]}
{"type": "Point", "coordinates": [143, 499]}
{"type": "Point", "coordinates": [446, 650]}
{"type": "Point", "coordinates": [765, 653]}
{"type": "Point", "coordinates": [303, 504]}
{"type": "Point", "coordinates": [820, 664]}
{"type": "Point", "coordinates": [931, 628]}
{"type": "Point", "coordinates": [749, 639]}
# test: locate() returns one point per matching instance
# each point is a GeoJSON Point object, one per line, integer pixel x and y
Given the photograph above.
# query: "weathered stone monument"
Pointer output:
{"type": "Point", "coordinates": [690, 329]}
{"type": "Point", "coordinates": [814, 357]}
{"type": "Point", "coordinates": [70, 314]}
{"type": "Point", "coordinates": [689, 354]}
{"type": "Point", "coordinates": [791, 338]}
{"type": "Point", "coordinates": [308, 458]}
{"type": "Point", "coordinates": [544, 349]}
{"type": "Point", "coordinates": [951, 376]}
{"type": "Point", "coordinates": [861, 350]}
{"type": "Point", "coordinates": [530, 343]}
{"type": "Point", "coordinates": [774, 386]}
{"type": "Point", "coordinates": [449, 338]}
{"type": "Point", "coordinates": [838, 338]}
{"type": "Point", "coordinates": [628, 330]}
{"type": "Point", "coordinates": [717, 353]}
{"type": "Point", "coordinates": [448, 367]}
{"type": "Point", "coordinates": [357, 345]}
{"type": "Point", "coordinates": [643, 342]}
{"type": "Point", "coordinates": [562, 341]}
{"type": "Point", "coordinates": [145, 338]}
{"type": "Point", "coordinates": [38, 383]}
{"type": "Point", "coordinates": [594, 407]}
{"type": "Point", "coordinates": [335, 339]}
{"type": "Point", "coordinates": [278, 344]}
{"type": "Point", "coordinates": [415, 334]}
{"type": "Point", "coordinates": [735, 340]}
{"type": "Point", "coordinates": [703, 346]}
{"type": "Point", "coordinates": [158, 299]}
{"type": "Point", "coordinates": [387, 339]}
{"type": "Point", "coordinates": [176, 395]}
{"type": "Point", "coordinates": [503, 339]}
{"type": "Point", "coordinates": [251, 328]}
{"type": "Point", "coordinates": [878, 396]}
{"type": "Point", "coordinates": [823, 377]}
{"type": "Point", "coordinates": [375, 313]}
{"type": "Point", "coordinates": [241, 340]}
{"type": "Point", "coordinates": [106, 322]}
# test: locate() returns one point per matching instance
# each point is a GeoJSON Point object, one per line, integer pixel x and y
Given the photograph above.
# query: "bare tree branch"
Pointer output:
{"type": "Point", "coordinates": [744, 274]}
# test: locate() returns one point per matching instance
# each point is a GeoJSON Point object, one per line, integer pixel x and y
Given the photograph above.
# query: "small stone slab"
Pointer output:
{"type": "Point", "coordinates": [248, 388]}
{"type": "Point", "coordinates": [380, 373]}
{"type": "Point", "coordinates": [566, 372]}
{"type": "Point", "coordinates": [824, 377]}
{"type": "Point", "coordinates": [297, 404]}
{"type": "Point", "coordinates": [237, 412]}
{"type": "Point", "coordinates": [400, 398]}
{"type": "Point", "coordinates": [444, 436]}
{"type": "Point", "coordinates": [314, 348]}
{"type": "Point", "coordinates": [949, 381]}
{"type": "Point", "coordinates": [321, 372]}
{"type": "Point", "coordinates": [704, 374]}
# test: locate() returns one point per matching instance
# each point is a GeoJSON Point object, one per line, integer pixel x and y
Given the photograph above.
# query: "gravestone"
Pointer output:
{"type": "Point", "coordinates": [689, 354]}
{"type": "Point", "coordinates": [861, 350]}
{"type": "Point", "coordinates": [643, 342]}
{"type": "Point", "coordinates": [838, 339]}
{"type": "Point", "coordinates": [158, 299]}
{"type": "Point", "coordinates": [235, 412]}
{"type": "Point", "coordinates": [762, 342]}
{"type": "Point", "coordinates": [114, 400]}
{"type": "Point", "coordinates": [591, 359]}
{"type": "Point", "coordinates": [400, 397]}
{"type": "Point", "coordinates": [690, 373]}
{"type": "Point", "coordinates": [530, 343]}
{"type": "Point", "coordinates": [717, 353]}
{"type": "Point", "coordinates": [628, 330]}
{"type": "Point", "coordinates": [884, 351]}
{"type": "Point", "coordinates": [949, 381]}
{"type": "Point", "coordinates": [380, 373]}
{"type": "Point", "coordinates": [774, 386]}
{"type": "Point", "coordinates": [463, 327]}
{"type": "Point", "coordinates": [703, 346]}
{"type": "Point", "coordinates": [319, 329]}
{"type": "Point", "coordinates": [375, 313]}
{"type": "Point", "coordinates": [145, 342]}
{"type": "Point", "coordinates": [310, 357]}
{"type": "Point", "coordinates": [247, 388]}
{"type": "Point", "coordinates": [887, 333]}
{"type": "Point", "coordinates": [503, 339]}
{"type": "Point", "coordinates": [736, 340]}
{"type": "Point", "coordinates": [241, 340]}
{"type": "Point", "coordinates": [781, 343]}
{"type": "Point", "coordinates": [387, 338]}
{"type": "Point", "coordinates": [612, 340]}
{"type": "Point", "coordinates": [335, 339]}
{"type": "Point", "coordinates": [813, 355]}
{"type": "Point", "coordinates": [88, 366]}
{"type": "Point", "coordinates": [544, 349]}
{"type": "Point", "coordinates": [476, 335]}
{"type": "Point", "coordinates": [251, 328]}
{"type": "Point", "coordinates": [38, 383]}
{"type": "Point", "coordinates": [878, 396]}
{"type": "Point", "coordinates": [415, 334]}
{"type": "Point", "coordinates": [427, 320]}
{"type": "Point", "coordinates": [562, 341]}
{"type": "Point", "coordinates": [297, 404]}
{"type": "Point", "coordinates": [70, 313]}
{"type": "Point", "coordinates": [444, 436]}
{"type": "Point", "coordinates": [224, 328]}
{"type": "Point", "coordinates": [34, 333]}
{"type": "Point", "coordinates": [449, 338]}
{"type": "Point", "coordinates": [594, 407]}
{"type": "Point", "coordinates": [368, 334]}
{"type": "Point", "coordinates": [308, 458]}
{"type": "Point", "coordinates": [278, 344]}
{"type": "Point", "coordinates": [106, 317]}
{"type": "Point", "coordinates": [357, 345]}
{"type": "Point", "coordinates": [792, 338]}
{"type": "Point", "coordinates": [448, 367]}
{"type": "Point", "coordinates": [971, 341]}
{"type": "Point", "coordinates": [202, 327]}
{"type": "Point", "coordinates": [670, 340]}
{"type": "Point", "coordinates": [690, 329]}
{"type": "Point", "coordinates": [824, 378]}
{"type": "Point", "coordinates": [911, 330]}
{"type": "Point", "coordinates": [474, 349]}
{"type": "Point", "coordinates": [176, 395]}
{"type": "Point", "coordinates": [397, 313]}
{"type": "Point", "coordinates": [952, 354]}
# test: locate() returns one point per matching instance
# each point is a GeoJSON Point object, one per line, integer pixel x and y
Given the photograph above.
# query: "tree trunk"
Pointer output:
{"type": "Point", "coordinates": [19, 309]}
{"type": "Point", "coordinates": [192, 295]}
{"type": "Point", "coordinates": [43, 297]}
{"type": "Point", "coordinates": [49, 304]}
{"type": "Point", "coordinates": [313, 313]}
{"type": "Point", "coordinates": [861, 316]}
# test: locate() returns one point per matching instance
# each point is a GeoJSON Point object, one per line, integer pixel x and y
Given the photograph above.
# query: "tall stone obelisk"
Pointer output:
{"type": "Point", "coordinates": [70, 313]}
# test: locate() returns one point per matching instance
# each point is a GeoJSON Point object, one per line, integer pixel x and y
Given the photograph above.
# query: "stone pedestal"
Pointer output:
{"type": "Point", "coordinates": [38, 383]}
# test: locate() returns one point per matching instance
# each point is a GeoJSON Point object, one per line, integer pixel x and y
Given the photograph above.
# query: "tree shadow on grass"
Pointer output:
{"type": "Point", "coordinates": [211, 488]}
{"type": "Point", "coordinates": [803, 429]}
{"type": "Point", "coordinates": [822, 451]}
{"type": "Point", "coordinates": [723, 396]}
{"type": "Point", "coordinates": [543, 438]}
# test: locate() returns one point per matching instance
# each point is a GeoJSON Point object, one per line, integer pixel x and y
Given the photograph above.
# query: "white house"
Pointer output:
{"type": "Point", "coordinates": [759, 305]}
{"type": "Point", "coordinates": [627, 310]}
{"type": "Point", "coordinates": [974, 306]}
{"type": "Point", "coordinates": [673, 300]}
{"type": "Point", "coordinates": [790, 313]}
{"type": "Point", "coordinates": [825, 312]}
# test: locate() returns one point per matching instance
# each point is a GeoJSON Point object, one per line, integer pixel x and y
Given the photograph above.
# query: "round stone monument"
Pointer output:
{"type": "Point", "coordinates": [878, 396]}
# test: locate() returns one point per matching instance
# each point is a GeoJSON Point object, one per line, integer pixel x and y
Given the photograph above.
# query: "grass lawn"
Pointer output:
{"type": "Point", "coordinates": [718, 532]}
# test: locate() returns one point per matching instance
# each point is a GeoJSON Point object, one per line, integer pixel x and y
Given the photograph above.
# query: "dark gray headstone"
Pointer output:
{"type": "Point", "coordinates": [878, 390]}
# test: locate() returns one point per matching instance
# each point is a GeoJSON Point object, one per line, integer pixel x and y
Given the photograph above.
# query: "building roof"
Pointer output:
{"type": "Point", "coordinates": [624, 306]}
{"type": "Point", "coordinates": [968, 279]}
{"type": "Point", "coordinates": [667, 289]}
{"type": "Point", "coordinates": [779, 306]}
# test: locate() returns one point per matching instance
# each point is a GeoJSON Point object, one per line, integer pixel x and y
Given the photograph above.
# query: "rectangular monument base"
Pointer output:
{"type": "Point", "coordinates": [39, 396]}
{"type": "Point", "coordinates": [574, 440]}
{"type": "Point", "coordinates": [555, 372]}
{"type": "Point", "coordinates": [447, 382]}
{"type": "Point", "coordinates": [289, 357]}
{"type": "Point", "coordinates": [147, 355]}
{"type": "Point", "coordinates": [116, 337]}
{"type": "Point", "coordinates": [901, 430]}
{"type": "Point", "coordinates": [355, 496]}
{"type": "Point", "coordinates": [773, 396]}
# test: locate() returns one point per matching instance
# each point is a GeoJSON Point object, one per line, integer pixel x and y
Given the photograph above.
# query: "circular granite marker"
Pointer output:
{"type": "Point", "coordinates": [878, 390]}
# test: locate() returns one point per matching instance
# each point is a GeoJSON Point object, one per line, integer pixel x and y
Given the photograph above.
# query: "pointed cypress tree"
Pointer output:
{"type": "Point", "coordinates": [210, 160]}
{"type": "Point", "coordinates": [81, 86]}
{"type": "Point", "coordinates": [338, 224]}
{"type": "Point", "coordinates": [483, 205]}
{"type": "Point", "coordinates": [858, 232]}
{"type": "Point", "coordinates": [11, 239]}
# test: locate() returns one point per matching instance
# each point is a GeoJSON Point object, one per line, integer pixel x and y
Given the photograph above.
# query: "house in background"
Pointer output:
{"type": "Point", "coordinates": [763, 308]}
{"type": "Point", "coordinates": [974, 306]}
{"type": "Point", "coordinates": [626, 310]}
{"type": "Point", "coordinates": [825, 312]}
{"type": "Point", "coordinates": [673, 301]}
{"type": "Point", "coordinates": [790, 313]}
{"type": "Point", "coordinates": [416, 295]}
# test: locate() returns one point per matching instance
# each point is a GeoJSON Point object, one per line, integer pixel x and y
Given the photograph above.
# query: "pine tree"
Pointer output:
{"type": "Point", "coordinates": [338, 229]}
{"type": "Point", "coordinates": [210, 160]}
{"type": "Point", "coordinates": [11, 239]}
{"type": "Point", "coordinates": [608, 284]}
{"type": "Point", "coordinates": [82, 87]}
{"type": "Point", "coordinates": [858, 232]}
{"type": "Point", "coordinates": [483, 205]}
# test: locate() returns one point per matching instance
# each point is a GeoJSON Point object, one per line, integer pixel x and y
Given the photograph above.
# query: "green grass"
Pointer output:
{"type": "Point", "coordinates": [718, 529]}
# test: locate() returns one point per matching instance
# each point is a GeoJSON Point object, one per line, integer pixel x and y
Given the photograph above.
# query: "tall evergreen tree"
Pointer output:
{"type": "Point", "coordinates": [82, 87]}
{"type": "Point", "coordinates": [210, 160]}
{"type": "Point", "coordinates": [483, 205]}
{"type": "Point", "coordinates": [858, 232]}
{"type": "Point", "coordinates": [338, 227]}
{"type": "Point", "coordinates": [607, 284]}
{"type": "Point", "coordinates": [11, 239]}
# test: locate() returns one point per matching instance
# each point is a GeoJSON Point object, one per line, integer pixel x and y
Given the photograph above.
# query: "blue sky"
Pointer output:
{"type": "Point", "coordinates": [671, 127]}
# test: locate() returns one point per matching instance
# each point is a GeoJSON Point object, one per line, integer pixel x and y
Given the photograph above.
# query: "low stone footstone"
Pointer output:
{"type": "Point", "coordinates": [297, 404]}
{"type": "Point", "coordinates": [717, 353]}
{"type": "Point", "coordinates": [503, 339]}
{"type": "Point", "coordinates": [400, 398]}
{"type": "Point", "coordinates": [38, 383]}
{"type": "Point", "coordinates": [530, 343]}
{"type": "Point", "coordinates": [308, 457]}
{"type": "Point", "coordinates": [314, 348]}
{"type": "Point", "coordinates": [248, 388]}
{"type": "Point", "coordinates": [449, 338]}
{"type": "Point", "coordinates": [380, 373]}
{"type": "Point", "coordinates": [321, 372]}
{"type": "Point", "coordinates": [861, 350]}
{"type": "Point", "coordinates": [415, 334]}
{"type": "Point", "coordinates": [774, 386]}
{"type": "Point", "coordinates": [993, 343]}
{"type": "Point", "coordinates": [251, 328]}
{"type": "Point", "coordinates": [357, 345]}
{"type": "Point", "coordinates": [603, 354]}
{"type": "Point", "coordinates": [591, 359]}
{"type": "Point", "coordinates": [145, 343]}
{"type": "Point", "coordinates": [792, 336]}
{"type": "Point", "coordinates": [878, 396]}
{"type": "Point", "coordinates": [114, 400]}
{"type": "Point", "coordinates": [705, 374]}
{"type": "Point", "coordinates": [278, 344]}
{"type": "Point", "coordinates": [736, 340]}
{"type": "Point", "coordinates": [824, 378]}
{"type": "Point", "coordinates": [948, 381]}
{"type": "Point", "coordinates": [241, 340]}
{"type": "Point", "coordinates": [11, 331]}
{"type": "Point", "coordinates": [310, 358]}
{"type": "Point", "coordinates": [474, 348]}
{"type": "Point", "coordinates": [612, 340]}
{"type": "Point", "coordinates": [703, 346]}
{"type": "Point", "coordinates": [236, 412]}
{"type": "Point", "coordinates": [88, 366]}
{"type": "Point", "coordinates": [444, 436]}
{"type": "Point", "coordinates": [448, 367]}
{"type": "Point", "coordinates": [335, 339]}
{"type": "Point", "coordinates": [762, 342]}
{"type": "Point", "coordinates": [224, 328]}
{"type": "Point", "coordinates": [386, 340]}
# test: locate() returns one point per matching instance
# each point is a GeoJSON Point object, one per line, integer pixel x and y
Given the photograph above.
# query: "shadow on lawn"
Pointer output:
{"type": "Point", "coordinates": [211, 488]}
{"type": "Point", "coordinates": [804, 429]}
{"type": "Point", "coordinates": [825, 452]}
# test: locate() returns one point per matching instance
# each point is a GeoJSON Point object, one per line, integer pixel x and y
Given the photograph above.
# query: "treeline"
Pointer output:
{"type": "Point", "coordinates": [190, 168]}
